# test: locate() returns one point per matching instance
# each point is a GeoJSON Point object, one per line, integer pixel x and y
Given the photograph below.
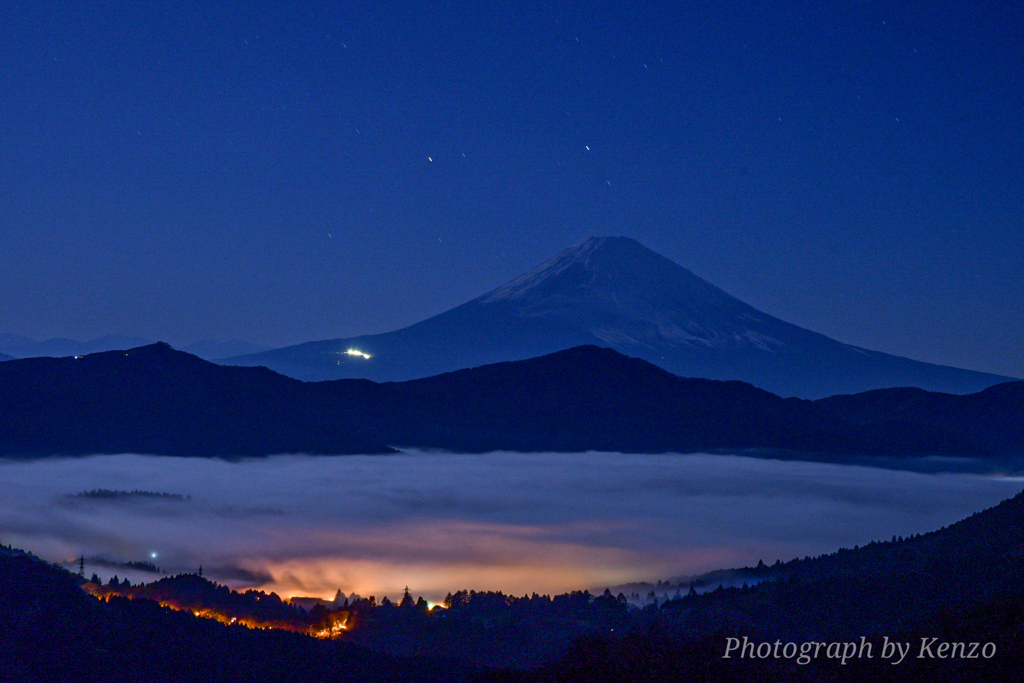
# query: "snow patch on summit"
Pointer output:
{"type": "Point", "coordinates": [518, 288]}
{"type": "Point", "coordinates": [615, 292]}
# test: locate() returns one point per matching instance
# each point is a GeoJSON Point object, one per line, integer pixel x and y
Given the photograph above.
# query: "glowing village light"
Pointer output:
{"type": "Point", "coordinates": [356, 352]}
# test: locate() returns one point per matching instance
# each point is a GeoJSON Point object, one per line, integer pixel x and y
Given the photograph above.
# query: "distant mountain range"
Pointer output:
{"type": "Point", "coordinates": [19, 346]}
{"type": "Point", "coordinates": [154, 399]}
{"type": "Point", "coordinates": [991, 420]}
{"type": "Point", "coordinates": [614, 292]}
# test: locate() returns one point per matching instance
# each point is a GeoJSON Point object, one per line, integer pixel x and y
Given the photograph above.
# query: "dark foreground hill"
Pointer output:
{"type": "Point", "coordinates": [892, 585]}
{"type": "Point", "coordinates": [52, 631]}
{"type": "Point", "coordinates": [614, 292]}
{"type": "Point", "coordinates": [157, 400]}
{"type": "Point", "coordinates": [959, 585]}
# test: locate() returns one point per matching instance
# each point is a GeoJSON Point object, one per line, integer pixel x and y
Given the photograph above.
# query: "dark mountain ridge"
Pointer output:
{"type": "Point", "coordinates": [154, 399]}
{"type": "Point", "coordinates": [591, 398]}
{"type": "Point", "coordinates": [992, 419]}
{"type": "Point", "coordinates": [157, 400]}
{"type": "Point", "coordinates": [614, 292]}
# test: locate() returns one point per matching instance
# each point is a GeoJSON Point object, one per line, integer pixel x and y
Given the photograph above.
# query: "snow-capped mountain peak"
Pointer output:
{"type": "Point", "coordinates": [616, 293]}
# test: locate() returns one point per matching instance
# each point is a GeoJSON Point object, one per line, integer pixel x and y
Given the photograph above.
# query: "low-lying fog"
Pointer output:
{"type": "Point", "coordinates": [514, 522]}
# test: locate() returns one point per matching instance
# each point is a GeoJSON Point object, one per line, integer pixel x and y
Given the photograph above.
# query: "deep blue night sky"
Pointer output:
{"type": "Point", "coordinates": [283, 172]}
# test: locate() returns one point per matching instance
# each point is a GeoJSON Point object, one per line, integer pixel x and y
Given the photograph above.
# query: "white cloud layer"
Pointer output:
{"type": "Point", "coordinates": [515, 522]}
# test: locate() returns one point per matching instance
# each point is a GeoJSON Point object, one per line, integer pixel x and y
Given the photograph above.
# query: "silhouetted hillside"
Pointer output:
{"type": "Point", "coordinates": [154, 399]}
{"type": "Point", "coordinates": [991, 420]}
{"type": "Point", "coordinates": [157, 400]}
{"type": "Point", "coordinates": [655, 654]}
{"type": "Point", "coordinates": [957, 584]}
{"type": "Point", "coordinates": [892, 585]}
{"type": "Point", "coordinates": [52, 630]}
{"type": "Point", "coordinates": [591, 398]}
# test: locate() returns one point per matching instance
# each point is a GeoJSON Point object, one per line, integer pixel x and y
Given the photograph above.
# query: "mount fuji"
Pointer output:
{"type": "Point", "coordinates": [616, 293]}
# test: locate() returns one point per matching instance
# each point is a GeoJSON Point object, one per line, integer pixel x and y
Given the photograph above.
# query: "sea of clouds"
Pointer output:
{"type": "Point", "coordinates": [438, 522]}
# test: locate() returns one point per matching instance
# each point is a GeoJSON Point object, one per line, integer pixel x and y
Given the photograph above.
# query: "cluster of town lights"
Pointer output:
{"type": "Point", "coordinates": [334, 628]}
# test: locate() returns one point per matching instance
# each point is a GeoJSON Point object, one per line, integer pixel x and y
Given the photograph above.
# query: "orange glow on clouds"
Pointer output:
{"type": "Point", "coordinates": [440, 523]}
{"type": "Point", "coordinates": [524, 568]}
{"type": "Point", "coordinates": [436, 559]}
